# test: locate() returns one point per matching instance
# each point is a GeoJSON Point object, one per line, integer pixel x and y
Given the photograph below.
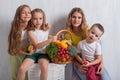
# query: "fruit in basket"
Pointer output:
{"type": "Point", "coordinates": [64, 45]}
{"type": "Point", "coordinates": [70, 58]}
{"type": "Point", "coordinates": [56, 59]}
{"type": "Point", "coordinates": [68, 42]}
{"type": "Point", "coordinates": [61, 51]}
{"type": "Point", "coordinates": [64, 59]}
{"type": "Point", "coordinates": [58, 43]}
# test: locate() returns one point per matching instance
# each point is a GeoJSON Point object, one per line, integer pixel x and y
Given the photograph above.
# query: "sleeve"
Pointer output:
{"type": "Point", "coordinates": [98, 49]}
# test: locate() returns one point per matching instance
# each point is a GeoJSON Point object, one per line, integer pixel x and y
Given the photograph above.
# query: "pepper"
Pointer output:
{"type": "Point", "coordinates": [30, 47]}
{"type": "Point", "coordinates": [64, 45]}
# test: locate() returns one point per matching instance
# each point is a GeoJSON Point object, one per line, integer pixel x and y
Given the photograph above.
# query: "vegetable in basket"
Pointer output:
{"type": "Point", "coordinates": [52, 49]}
{"type": "Point", "coordinates": [72, 51]}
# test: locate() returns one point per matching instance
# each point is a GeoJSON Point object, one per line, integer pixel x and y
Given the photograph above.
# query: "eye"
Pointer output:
{"type": "Point", "coordinates": [73, 16]}
{"type": "Point", "coordinates": [34, 18]}
{"type": "Point", "coordinates": [96, 35]}
{"type": "Point", "coordinates": [40, 18]}
{"type": "Point", "coordinates": [79, 17]}
{"type": "Point", "coordinates": [23, 12]}
{"type": "Point", "coordinates": [92, 32]}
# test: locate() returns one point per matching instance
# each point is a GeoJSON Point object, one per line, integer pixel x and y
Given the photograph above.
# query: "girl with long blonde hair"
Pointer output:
{"type": "Point", "coordinates": [17, 39]}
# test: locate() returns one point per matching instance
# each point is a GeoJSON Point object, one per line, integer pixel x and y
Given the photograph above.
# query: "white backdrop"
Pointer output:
{"type": "Point", "coordinates": [104, 11]}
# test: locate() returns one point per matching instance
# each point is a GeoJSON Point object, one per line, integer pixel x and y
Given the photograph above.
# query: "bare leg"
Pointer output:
{"type": "Point", "coordinates": [44, 68]}
{"type": "Point", "coordinates": [24, 67]}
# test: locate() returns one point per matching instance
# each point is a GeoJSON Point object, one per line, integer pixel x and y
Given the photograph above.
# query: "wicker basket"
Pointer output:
{"type": "Point", "coordinates": [61, 56]}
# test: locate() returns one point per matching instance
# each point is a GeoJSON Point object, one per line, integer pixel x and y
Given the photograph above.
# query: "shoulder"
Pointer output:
{"type": "Point", "coordinates": [31, 32]}
{"type": "Point", "coordinates": [82, 42]}
{"type": "Point", "coordinates": [98, 44]}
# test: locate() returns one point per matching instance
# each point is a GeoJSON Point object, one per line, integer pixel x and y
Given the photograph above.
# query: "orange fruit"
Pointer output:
{"type": "Point", "coordinates": [64, 59]}
{"type": "Point", "coordinates": [56, 59]}
{"type": "Point", "coordinates": [70, 58]}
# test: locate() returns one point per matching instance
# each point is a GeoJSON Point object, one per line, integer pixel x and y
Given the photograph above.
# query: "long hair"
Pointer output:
{"type": "Point", "coordinates": [31, 26]}
{"type": "Point", "coordinates": [14, 38]}
{"type": "Point", "coordinates": [83, 26]}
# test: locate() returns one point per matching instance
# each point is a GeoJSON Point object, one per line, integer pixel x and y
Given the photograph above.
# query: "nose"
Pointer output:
{"type": "Point", "coordinates": [37, 20]}
{"type": "Point", "coordinates": [26, 13]}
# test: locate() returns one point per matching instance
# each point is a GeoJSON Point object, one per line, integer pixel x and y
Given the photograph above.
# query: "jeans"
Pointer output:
{"type": "Point", "coordinates": [82, 76]}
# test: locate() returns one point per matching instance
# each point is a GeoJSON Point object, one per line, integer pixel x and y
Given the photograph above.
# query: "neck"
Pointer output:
{"type": "Point", "coordinates": [88, 41]}
{"type": "Point", "coordinates": [77, 31]}
{"type": "Point", "coordinates": [24, 25]}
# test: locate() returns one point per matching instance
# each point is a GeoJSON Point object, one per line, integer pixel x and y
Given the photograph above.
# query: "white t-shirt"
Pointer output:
{"type": "Point", "coordinates": [41, 36]}
{"type": "Point", "coordinates": [25, 41]}
{"type": "Point", "coordinates": [89, 51]}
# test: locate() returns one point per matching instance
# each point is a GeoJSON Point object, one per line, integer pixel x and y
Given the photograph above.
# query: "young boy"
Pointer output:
{"type": "Point", "coordinates": [90, 51]}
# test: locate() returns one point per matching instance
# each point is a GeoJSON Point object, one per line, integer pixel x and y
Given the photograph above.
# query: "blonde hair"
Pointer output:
{"type": "Point", "coordinates": [14, 37]}
{"type": "Point", "coordinates": [83, 27]}
{"type": "Point", "coordinates": [31, 25]}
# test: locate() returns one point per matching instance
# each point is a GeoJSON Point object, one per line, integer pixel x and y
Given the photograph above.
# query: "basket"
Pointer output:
{"type": "Point", "coordinates": [60, 51]}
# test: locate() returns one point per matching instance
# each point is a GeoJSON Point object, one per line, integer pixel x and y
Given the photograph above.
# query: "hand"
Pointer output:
{"type": "Point", "coordinates": [31, 52]}
{"type": "Point", "coordinates": [100, 69]}
{"type": "Point", "coordinates": [55, 38]}
{"type": "Point", "coordinates": [47, 26]}
{"type": "Point", "coordinates": [86, 63]}
{"type": "Point", "coordinates": [81, 67]}
{"type": "Point", "coordinates": [52, 38]}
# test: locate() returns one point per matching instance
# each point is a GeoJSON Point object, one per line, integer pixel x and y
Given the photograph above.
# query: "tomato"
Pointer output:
{"type": "Point", "coordinates": [84, 62]}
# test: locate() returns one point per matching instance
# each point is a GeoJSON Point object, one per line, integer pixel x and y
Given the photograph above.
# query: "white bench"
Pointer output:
{"type": "Point", "coordinates": [55, 72]}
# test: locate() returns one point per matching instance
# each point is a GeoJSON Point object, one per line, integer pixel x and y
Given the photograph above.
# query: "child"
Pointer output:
{"type": "Point", "coordinates": [17, 39]}
{"type": "Point", "coordinates": [38, 35]}
{"type": "Point", "coordinates": [90, 50]}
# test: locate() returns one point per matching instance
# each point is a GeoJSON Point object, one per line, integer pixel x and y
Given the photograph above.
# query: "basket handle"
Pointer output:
{"type": "Point", "coordinates": [64, 30]}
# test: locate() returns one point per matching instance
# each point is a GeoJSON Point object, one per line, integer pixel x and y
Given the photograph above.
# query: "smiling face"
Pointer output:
{"type": "Point", "coordinates": [76, 19]}
{"type": "Point", "coordinates": [25, 14]}
{"type": "Point", "coordinates": [37, 19]}
{"type": "Point", "coordinates": [94, 34]}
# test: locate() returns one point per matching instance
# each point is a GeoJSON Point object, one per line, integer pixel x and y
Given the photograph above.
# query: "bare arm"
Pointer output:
{"type": "Point", "coordinates": [78, 58]}
{"type": "Point", "coordinates": [26, 53]}
{"type": "Point", "coordinates": [100, 67]}
{"type": "Point", "coordinates": [35, 41]}
{"type": "Point", "coordinates": [98, 59]}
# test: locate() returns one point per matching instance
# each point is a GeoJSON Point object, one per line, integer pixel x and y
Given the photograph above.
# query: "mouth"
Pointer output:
{"type": "Point", "coordinates": [91, 38]}
{"type": "Point", "coordinates": [26, 17]}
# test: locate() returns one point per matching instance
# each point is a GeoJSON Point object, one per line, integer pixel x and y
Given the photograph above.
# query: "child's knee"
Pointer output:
{"type": "Point", "coordinates": [44, 67]}
{"type": "Point", "coordinates": [22, 69]}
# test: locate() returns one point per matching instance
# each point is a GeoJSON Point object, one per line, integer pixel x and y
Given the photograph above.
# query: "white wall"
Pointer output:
{"type": "Point", "coordinates": [104, 11]}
